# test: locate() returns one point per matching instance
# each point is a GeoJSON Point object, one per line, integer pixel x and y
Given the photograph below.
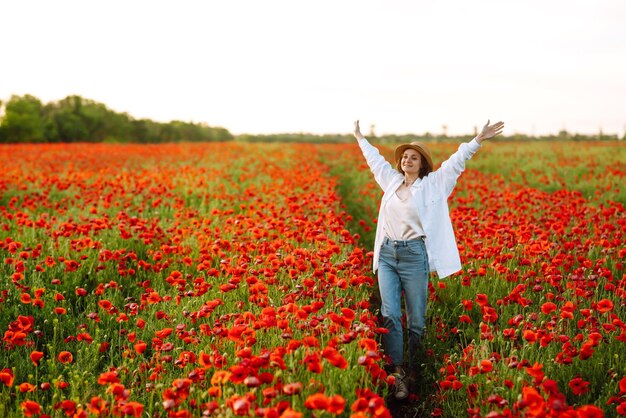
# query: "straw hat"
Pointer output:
{"type": "Point", "coordinates": [417, 146]}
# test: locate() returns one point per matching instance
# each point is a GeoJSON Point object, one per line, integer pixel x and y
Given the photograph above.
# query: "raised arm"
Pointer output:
{"type": "Point", "coordinates": [384, 173]}
{"type": "Point", "coordinates": [452, 168]}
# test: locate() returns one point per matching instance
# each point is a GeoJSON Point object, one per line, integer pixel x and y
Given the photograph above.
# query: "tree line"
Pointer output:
{"type": "Point", "coordinates": [76, 119]}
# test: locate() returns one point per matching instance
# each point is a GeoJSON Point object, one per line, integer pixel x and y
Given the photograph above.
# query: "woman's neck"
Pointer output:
{"type": "Point", "coordinates": [410, 179]}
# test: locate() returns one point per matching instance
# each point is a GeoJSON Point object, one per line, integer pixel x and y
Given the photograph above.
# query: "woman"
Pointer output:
{"type": "Point", "coordinates": [414, 236]}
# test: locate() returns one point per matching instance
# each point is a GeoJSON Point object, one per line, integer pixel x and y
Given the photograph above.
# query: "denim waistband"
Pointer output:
{"type": "Point", "coordinates": [398, 243]}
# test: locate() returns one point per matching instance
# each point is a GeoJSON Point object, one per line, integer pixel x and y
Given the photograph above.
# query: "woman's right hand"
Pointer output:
{"type": "Point", "coordinates": [357, 130]}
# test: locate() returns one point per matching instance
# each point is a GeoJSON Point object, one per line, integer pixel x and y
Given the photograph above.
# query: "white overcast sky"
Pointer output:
{"type": "Point", "coordinates": [263, 66]}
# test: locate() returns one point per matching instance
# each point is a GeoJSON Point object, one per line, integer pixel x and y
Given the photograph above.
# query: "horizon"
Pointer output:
{"type": "Point", "coordinates": [3, 102]}
{"type": "Point", "coordinates": [261, 69]}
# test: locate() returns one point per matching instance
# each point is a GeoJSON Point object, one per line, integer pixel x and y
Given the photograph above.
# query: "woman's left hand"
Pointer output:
{"type": "Point", "coordinates": [489, 131]}
{"type": "Point", "coordinates": [357, 130]}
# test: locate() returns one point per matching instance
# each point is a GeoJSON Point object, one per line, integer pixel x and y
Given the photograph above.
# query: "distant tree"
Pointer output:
{"type": "Point", "coordinates": [118, 127]}
{"type": "Point", "coordinates": [64, 121]}
{"type": "Point", "coordinates": [144, 131]}
{"type": "Point", "coordinates": [222, 134]}
{"type": "Point", "coordinates": [75, 118]}
{"type": "Point", "coordinates": [168, 132]}
{"type": "Point", "coordinates": [23, 120]}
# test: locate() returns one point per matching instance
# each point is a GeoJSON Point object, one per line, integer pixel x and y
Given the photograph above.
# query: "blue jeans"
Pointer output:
{"type": "Point", "coordinates": [403, 265]}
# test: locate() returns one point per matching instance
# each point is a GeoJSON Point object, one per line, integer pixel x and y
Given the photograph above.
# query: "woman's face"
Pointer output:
{"type": "Point", "coordinates": [411, 162]}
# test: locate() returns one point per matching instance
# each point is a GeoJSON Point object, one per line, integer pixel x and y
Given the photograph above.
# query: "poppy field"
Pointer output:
{"type": "Point", "coordinates": [229, 279]}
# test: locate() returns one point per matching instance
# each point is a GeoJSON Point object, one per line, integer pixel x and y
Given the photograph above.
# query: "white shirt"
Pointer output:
{"type": "Point", "coordinates": [429, 197]}
{"type": "Point", "coordinates": [401, 220]}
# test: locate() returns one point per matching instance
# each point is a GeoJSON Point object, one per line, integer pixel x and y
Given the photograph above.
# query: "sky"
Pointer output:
{"type": "Point", "coordinates": [275, 66]}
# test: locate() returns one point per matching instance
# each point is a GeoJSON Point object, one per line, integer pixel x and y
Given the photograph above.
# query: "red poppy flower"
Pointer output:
{"type": "Point", "coordinates": [108, 378]}
{"type": "Point", "coordinates": [368, 344]}
{"type": "Point", "coordinates": [486, 366]}
{"type": "Point", "coordinates": [468, 304]}
{"type": "Point", "coordinates": [604, 306]}
{"type": "Point", "coordinates": [589, 411]}
{"type": "Point", "coordinates": [548, 307]}
{"type": "Point", "coordinates": [534, 402]}
{"type": "Point", "coordinates": [215, 391]}
{"type": "Point", "coordinates": [292, 388]}
{"type": "Point", "coordinates": [27, 387]}
{"type": "Point", "coordinates": [132, 408]}
{"type": "Point", "coordinates": [317, 401]}
{"type": "Point", "coordinates": [30, 408]}
{"type": "Point", "coordinates": [68, 406]}
{"type": "Point", "coordinates": [337, 405]}
{"type": "Point", "coordinates": [35, 356]}
{"type": "Point", "coordinates": [334, 357]}
{"type": "Point", "coordinates": [97, 406]}
{"type": "Point", "coordinates": [482, 299]}
{"type": "Point", "coordinates": [6, 376]}
{"type": "Point", "coordinates": [65, 357]}
{"type": "Point", "coordinates": [290, 413]}
{"type": "Point", "coordinates": [140, 347]}
{"type": "Point", "coordinates": [578, 386]}
{"type": "Point", "coordinates": [220, 377]}
{"type": "Point", "coordinates": [313, 362]}
{"type": "Point", "coordinates": [536, 371]}
{"type": "Point", "coordinates": [530, 336]}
